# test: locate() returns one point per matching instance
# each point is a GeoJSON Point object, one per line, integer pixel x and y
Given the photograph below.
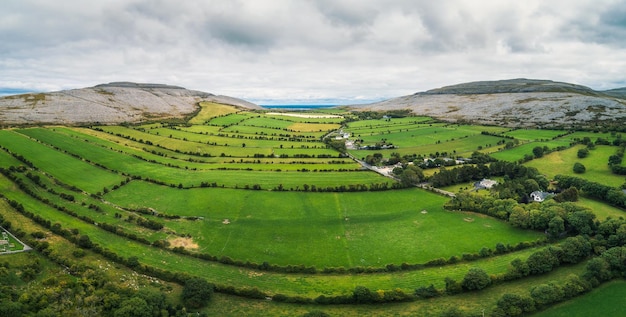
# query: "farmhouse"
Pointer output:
{"type": "Point", "coordinates": [539, 196]}
{"type": "Point", "coordinates": [485, 184]}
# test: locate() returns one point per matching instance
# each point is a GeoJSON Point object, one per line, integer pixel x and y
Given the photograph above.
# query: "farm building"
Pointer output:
{"type": "Point", "coordinates": [539, 196]}
{"type": "Point", "coordinates": [485, 184]}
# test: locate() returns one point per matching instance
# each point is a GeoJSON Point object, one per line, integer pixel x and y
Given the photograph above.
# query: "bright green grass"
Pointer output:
{"type": "Point", "coordinates": [534, 134]}
{"type": "Point", "coordinates": [606, 300]}
{"type": "Point", "coordinates": [7, 160]}
{"type": "Point", "coordinates": [105, 215]}
{"type": "Point", "coordinates": [251, 130]}
{"type": "Point", "coordinates": [290, 284]}
{"type": "Point", "coordinates": [580, 135]}
{"type": "Point", "coordinates": [349, 229]}
{"type": "Point", "coordinates": [487, 128]}
{"type": "Point", "coordinates": [62, 166]}
{"type": "Point", "coordinates": [421, 136]}
{"type": "Point", "coordinates": [233, 118]}
{"type": "Point", "coordinates": [471, 302]}
{"type": "Point", "coordinates": [517, 153]}
{"type": "Point", "coordinates": [232, 140]}
{"type": "Point", "coordinates": [462, 146]}
{"type": "Point", "coordinates": [204, 129]}
{"type": "Point", "coordinates": [562, 162]}
{"type": "Point", "coordinates": [601, 209]}
{"type": "Point", "coordinates": [233, 147]}
{"type": "Point", "coordinates": [375, 130]}
{"type": "Point", "coordinates": [391, 122]}
{"type": "Point", "coordinates": [230, 178]}
{"type": "Point", "coordinates": [268, 122]}
{"type": "Point", "coordinates": [165, 157]}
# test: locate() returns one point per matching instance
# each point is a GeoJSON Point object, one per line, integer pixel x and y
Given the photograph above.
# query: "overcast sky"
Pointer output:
{"type": "Point", "coordinates": [347, 51]}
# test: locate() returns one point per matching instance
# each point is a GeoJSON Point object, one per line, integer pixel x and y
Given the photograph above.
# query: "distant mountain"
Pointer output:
{"type": "Point", "coordinates": [108, 104]}
{"type": "Point", "coordinates": [618, 93]}
{"type": "Point", "coordinates": [515, 102]}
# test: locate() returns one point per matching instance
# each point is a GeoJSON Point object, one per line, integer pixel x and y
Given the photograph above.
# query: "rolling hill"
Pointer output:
{"type": "Point", "coordinates": [515, 102]}
{"type": "Point", "coordinates": [108, 104]}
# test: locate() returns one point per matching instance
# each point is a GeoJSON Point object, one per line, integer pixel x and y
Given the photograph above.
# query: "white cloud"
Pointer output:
{"type": "Point", "coordinates": [324, 49]}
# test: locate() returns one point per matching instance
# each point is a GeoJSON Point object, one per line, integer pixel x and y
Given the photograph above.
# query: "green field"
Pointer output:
{"type": "Point", "coordinates": [347, 229]}
{"type": "Point", "coordinates": [562, 162]}
{"type": "Point", "coordinates": [535, 135]}
{"type": "Point", "coordinates": [266, 201]}
{"type": "Point", "coordinates": [607, 300]}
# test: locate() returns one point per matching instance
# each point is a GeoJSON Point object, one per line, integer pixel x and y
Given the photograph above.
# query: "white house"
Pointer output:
{"type": "Point", "coordinates": [539, 196]}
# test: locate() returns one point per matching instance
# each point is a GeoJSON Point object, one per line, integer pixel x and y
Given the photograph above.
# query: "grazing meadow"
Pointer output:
{"type": "Point", "coordinates": [281, 214]}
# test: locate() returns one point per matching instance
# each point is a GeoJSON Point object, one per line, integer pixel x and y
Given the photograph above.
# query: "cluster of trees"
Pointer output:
{"type": "Point", "coordinates": [66, 295]}
{"type": "Point", "coordinates": [519, 181]}
{"type": "Point", "coordinates": [611, 195]}
{"type": "Point", "coordinates": [341, 188]}
{"type": "Point", "coordinates": [550, 216]}
{"type": "Point", "coordinates": [409, 174]}
{"type": "Point", "coordinates": [615, 161]}
{"type": "Point", "coordinates": [367, 115]}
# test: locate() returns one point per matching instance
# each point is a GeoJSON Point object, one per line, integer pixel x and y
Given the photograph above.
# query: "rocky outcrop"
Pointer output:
{"type": "Point", "coordinates": [515, 103]}
{"type": "Point", "coordinates": [108, 104]}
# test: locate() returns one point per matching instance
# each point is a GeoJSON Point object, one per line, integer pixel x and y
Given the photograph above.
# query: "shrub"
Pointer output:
{"type": "Point", "coordinates": [579, 168]}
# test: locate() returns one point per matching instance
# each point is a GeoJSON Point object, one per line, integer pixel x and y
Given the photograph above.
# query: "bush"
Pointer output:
{"type": "Point", "coordinates": [196, 292]}
{"type": "Point", "coordinates": [427, 292]}
{"type": "Point", "coordinates": [579, 168]}
{"type": "Point", "coordinates": [475, 279]}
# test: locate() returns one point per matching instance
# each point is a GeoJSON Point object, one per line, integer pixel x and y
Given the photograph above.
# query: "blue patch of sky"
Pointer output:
{"type": "Point", "coordinates": [13, 91]}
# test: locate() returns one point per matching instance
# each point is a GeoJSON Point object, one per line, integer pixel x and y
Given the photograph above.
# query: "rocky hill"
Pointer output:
{"type": "Point", "coordinates": [107, 104]}
{"type": "Point", "coordinates": [516, 103]}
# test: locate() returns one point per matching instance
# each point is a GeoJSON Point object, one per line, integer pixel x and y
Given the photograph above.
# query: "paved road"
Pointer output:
{"type": "Point", "coordinates": [26, 247]}
{"type": "Point", "coordinates": [386, 174]}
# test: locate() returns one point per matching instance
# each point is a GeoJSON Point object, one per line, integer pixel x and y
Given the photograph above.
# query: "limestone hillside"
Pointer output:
{"type": "Point", "coordinates": [515, 103]}
{"type": "Point", "coordinates": [107, 104]}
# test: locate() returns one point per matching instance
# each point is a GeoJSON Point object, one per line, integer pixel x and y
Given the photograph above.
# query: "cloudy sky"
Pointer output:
{"type": "Point", "coordinates": [325, 51]}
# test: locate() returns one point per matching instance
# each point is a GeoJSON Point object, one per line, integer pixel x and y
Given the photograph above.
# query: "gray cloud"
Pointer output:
{"type": "Point", "coordinates": [318, 49]}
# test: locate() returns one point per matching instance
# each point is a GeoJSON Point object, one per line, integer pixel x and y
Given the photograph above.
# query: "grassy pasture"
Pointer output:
{"type": "Point", "coordinates": [534, 134]}
{"type": "Point", "coordinates": [562, 162]}
{"type": "Point", "coordinates": [268, 122]}
{"type": "Point", "coordinates": [381, 122]}
{"type": "Point", "coordinates": [367, 229]}
{"type": "Point", "coordinates": [7, 160]}
{"type": "Point", "coordinates": [602, 210]}
{"type": "Point", "coordinates": [348, 229]}
{"type": "Point", "coordinates": [517, 153]}
{"type": "Point", "coordinates": [373, 131]}
{"type": "Point", "coordinates": [231, 140]}
{"type": "Point", "coordinates": [591, 135]}
{"type": "Point", "coordinates": [417, 137]}
{"type": "Point", "coordinates": [204, 129]}
{"type": "Point", "coordinates": [233, 118]}
{"type": "Point", "coordinates": [62, 166]}
{"type": "Point", "coordinates": [171, 175]}
{"type": "Point", "coordinates": [302, 285]}
{"type": "Point", "coordinates": [472, 303]}
{"type": "Point", "coordinates": [251, 130]}
{"type": "Point", "coordinates": [211, 110]}
{"type": "Point", "coordinates": [606, 300]}
{"type": "Point", "coordinates": [463, 147]}
{"type": "Point", "coordinates": [233, 147]}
